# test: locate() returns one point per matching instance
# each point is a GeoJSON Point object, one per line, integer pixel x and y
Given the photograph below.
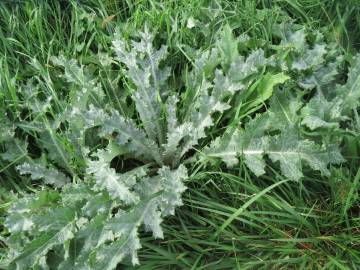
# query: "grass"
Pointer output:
{"type": "Point", "coordinates": [230, 220]}
{"type": "Point", "coordinates": [234, 222]}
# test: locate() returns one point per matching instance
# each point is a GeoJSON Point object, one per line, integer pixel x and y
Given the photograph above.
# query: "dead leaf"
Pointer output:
{"type": "Point", "coordinates": [107, 20]}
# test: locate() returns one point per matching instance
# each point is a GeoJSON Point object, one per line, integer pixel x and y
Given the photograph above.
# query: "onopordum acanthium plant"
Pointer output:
{"type": "Point", "coordinates": [92, 216]}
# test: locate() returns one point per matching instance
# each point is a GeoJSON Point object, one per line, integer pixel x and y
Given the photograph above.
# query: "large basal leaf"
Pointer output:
{"type": "Point", "coordinates": [287, 148]}
{"type": "Point", "coordinates": [148, 78]}
{"type": "Point", "coordinates": [293, 152]}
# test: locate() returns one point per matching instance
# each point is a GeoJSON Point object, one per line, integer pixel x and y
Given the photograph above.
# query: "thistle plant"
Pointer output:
{"type": "Point", "coordinates": [91, 212]}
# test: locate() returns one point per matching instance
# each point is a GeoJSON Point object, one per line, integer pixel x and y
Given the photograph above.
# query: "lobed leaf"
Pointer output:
{"type": "Point", "coordinates": [38, 171]}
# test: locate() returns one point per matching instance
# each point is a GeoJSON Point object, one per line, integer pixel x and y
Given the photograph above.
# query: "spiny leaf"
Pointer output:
{"type": "Point", "coordinates": [200, 113]}
{"type": "Point", "coordinates": [227, 45]}
{"type": "Point", "coordinates": [224, 86]}
{"type": "Point", "coordinates": [31, 93]}
{"type": "Point", "coordinates": [95, 222]}
{"type": "Point", "coordinates": [107, 257]}
{"type": "Point", "coordinates": [173, 187]}
{"type": "Point", "coordinates": [130, 136]}
{"type": "Point", "coordinates": [53, 143]}
{"type": "Point", "coordinates": [291, 38]}
{"type": "Point", "coordinates": [99, 203]}
{"type": "Point", "coordinates": [106, 178]}
{"type": "Point", "coordinates": [18, 222]}
{"type": "Point", "coordinates": [72, 194]}
{"type": "Point", "coordinates": [251, 140]}
{"type": "Point", "coordinates": [283, 111]}
{"type": "Point", "coordinates": [175, 131]}
{"type": "Point", "coordinates": [39, 247]}
{"type": "Point", "coordinates": [89, 237]}
{"type": "Point", "coordinates": [54, 228]}
{"type": "Point", "coordinates": [87, 87]}
{"type": "Point", "coordinates": [73, 72]}
{"type": "Point", "coordinates": [312, 58]}
{"type": "Point", "coordinates": [291, 151]}
{"type": "Point", "coordinates": [19, 215]}
{"type": "Point", "coordinates": [350, 92]}
{"type": "Point", "coordinates": [124, 227]}
{"type": "Point", "coordinates": [148, 78]}
{"type": "Point", "coordinates": [322, 78]}
{"type": "Point", "coordinates": [16, 150]}
{"type": "Point", "coordinates": [241, 69]}
{"type": "Point", "coordinates": [174, 138]}
{"type": "Point", "coordinates": [38, 171]}
{"type": "Point", "coordinates": [287, 148]}
{"type": "Point", "coordinates": [320, 113]}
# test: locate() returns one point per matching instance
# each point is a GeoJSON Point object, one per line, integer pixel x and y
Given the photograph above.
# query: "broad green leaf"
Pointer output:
{"type": "Point", "coordinates": [263, 90]}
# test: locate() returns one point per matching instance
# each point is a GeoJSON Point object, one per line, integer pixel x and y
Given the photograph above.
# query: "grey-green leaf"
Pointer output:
{"type": "Point", "coordinates": [291, 152]}
{"type": "Point", "coordinates": [350, 92]}
{"type": "Point", "coordinates": [38, 171]}
{"type": "Point", "coordinates": [118, 186]}
{"type": "Point", "coordinates": [40, 246]}
{"type": "Point", "coordinates": [320, 113]}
